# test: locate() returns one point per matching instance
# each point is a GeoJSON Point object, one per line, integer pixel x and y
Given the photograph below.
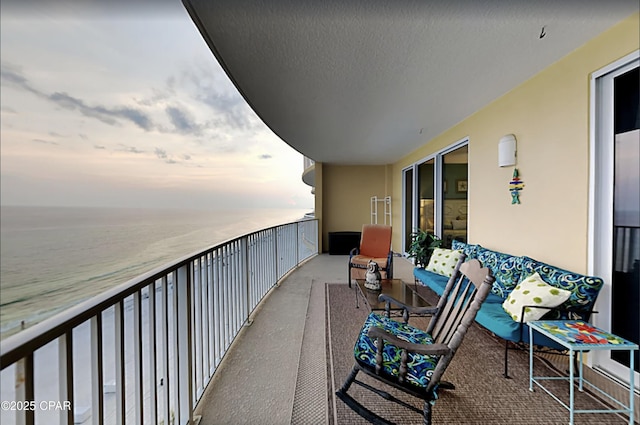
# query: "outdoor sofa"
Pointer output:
{"type": "Point", "coordinates": [577, 293]}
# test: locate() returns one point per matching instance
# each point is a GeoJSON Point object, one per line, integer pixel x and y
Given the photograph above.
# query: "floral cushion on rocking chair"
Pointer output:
{"type": "Point", "coordinates": [420, 367]}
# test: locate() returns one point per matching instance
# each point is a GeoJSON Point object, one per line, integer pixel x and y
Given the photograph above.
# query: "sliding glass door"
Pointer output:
{"type": "Point", "coordinates": [454, 199]}
{"type": "Point", "coordinates": [435, 195]}
{"type": "Point", "coordinates": [426, 192]}
{"type": "Point", "coordinates": [615, 244]}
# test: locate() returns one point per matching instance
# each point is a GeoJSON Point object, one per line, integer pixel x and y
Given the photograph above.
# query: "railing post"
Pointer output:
{"type": "Point", "coordinates": [119, 369]}
{"type": "Point", "coordinates": [97, 377]}
{"type": "Point", "coordinates": [244, 244]}
{"type": "Point", "coordinates": [275, 253]}
{"type": "Point", "coordinates": [137, 359]}
{"type": "Point", "coordinates": [297, 243]}
{"type": "Point", "coordinates": [184, 337]}
{"type": "Point", "coordinates": [65, 373]}
{"type": "Point", "coordinates": [24, 389]}
{"type": "Point", "coordinates": [166, 409]}
{"type": "Point", "coordinates": [153, 379]}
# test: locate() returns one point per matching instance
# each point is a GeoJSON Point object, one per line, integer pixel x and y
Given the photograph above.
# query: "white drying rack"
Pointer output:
{"type": "Point", "coordinates": [386, 201]}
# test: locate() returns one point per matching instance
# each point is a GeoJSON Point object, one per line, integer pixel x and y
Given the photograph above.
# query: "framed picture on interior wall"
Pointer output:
{"type": "Point", "coordinates": [461, 186]}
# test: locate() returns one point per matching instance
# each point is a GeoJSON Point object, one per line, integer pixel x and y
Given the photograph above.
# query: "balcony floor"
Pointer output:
{"type": "Point", "coordinates": [276, 372]}
{"type": "Point", "coordinates": [258, 386]}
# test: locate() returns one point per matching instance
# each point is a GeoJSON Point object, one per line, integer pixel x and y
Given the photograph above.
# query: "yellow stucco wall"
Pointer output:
{"type": "Point", "coordinates": [346, 192]}
{"type": "Point", "coordinates": [318, 195]}
{"type": "Point", "coordinates": [549, 115]}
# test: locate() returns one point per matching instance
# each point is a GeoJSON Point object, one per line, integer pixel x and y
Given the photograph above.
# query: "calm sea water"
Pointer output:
{"type": "Point", "coordinates": [52, 258]}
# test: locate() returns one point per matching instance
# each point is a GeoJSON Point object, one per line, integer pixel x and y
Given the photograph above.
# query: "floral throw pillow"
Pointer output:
{"type": "Point", "coordinates": [533, 291]}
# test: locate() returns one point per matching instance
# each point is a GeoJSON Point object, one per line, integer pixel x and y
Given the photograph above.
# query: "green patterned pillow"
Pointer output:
{"type": "Point", "coordinates": [533, 291]}
{"type": "Point", "coordinates": [443, 261]}
{"type": "Point", "coordinates": [469, 250]}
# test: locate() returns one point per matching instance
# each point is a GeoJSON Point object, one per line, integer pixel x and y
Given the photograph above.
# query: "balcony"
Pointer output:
{"type": "Point", "coordinates": [290, 384]}
{"type": "Point", "coordinates": [267, 346]}
{"type": "Point", "coordinates": [309, 172]}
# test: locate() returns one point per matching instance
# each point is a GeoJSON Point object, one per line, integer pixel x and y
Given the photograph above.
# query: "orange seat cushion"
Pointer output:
{"type": "Point", "coordinates": [362, 261]}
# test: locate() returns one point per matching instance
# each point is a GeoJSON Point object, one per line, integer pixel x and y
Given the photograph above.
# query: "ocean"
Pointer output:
{"type": "Point", "coordinates": [54, 257]}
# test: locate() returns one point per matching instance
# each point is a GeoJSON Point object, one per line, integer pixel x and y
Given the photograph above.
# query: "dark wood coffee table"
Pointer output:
{"type": "Point", "coordinates": [395, 288]}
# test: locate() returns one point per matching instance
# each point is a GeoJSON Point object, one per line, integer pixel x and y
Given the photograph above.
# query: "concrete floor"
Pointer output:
{"type": "Point", "coordinates": [256, 382]}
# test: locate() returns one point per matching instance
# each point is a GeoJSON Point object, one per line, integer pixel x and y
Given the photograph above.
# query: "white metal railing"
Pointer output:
{"type": "Point", "coordinates": [144, 352]}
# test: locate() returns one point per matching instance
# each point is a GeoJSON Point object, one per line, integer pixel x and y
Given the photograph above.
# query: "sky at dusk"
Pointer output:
{"type": "Point", "coordinates": [113, 105]}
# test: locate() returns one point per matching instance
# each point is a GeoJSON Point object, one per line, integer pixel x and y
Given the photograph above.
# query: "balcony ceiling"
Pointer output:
{"type": "Point", "coordinates": [369, 81]}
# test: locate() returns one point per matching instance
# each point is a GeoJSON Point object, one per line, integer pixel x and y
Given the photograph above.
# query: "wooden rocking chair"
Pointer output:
{"type": "Point", "coordinates": [413, 360]}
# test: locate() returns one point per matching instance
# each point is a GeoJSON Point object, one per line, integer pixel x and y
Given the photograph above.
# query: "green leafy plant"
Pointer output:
{"type": "Point", "coordinates": [422, 245]}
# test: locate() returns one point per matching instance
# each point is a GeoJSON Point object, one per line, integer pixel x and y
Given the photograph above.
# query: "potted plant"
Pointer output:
{"type": "Point", "coordinates": [422, 245]}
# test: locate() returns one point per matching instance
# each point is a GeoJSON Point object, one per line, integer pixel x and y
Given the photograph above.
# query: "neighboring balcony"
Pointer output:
{"type": "Point", "coordinates": [309, 172]}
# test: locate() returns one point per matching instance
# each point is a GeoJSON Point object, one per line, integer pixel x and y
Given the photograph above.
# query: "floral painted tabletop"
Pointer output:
{"type": "Point", "coordinates": [579, 333]}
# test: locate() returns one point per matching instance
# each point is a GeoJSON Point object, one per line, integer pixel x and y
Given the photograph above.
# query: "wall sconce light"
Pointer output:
{"type": "Point", "coordinates": [507, 151]}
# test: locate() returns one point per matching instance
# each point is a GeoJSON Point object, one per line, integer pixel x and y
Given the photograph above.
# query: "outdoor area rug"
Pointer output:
{"type": "Point", "coordinates": [482, 394]}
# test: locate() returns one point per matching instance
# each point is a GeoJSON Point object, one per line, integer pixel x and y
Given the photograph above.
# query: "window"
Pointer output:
{"type": "Point", "coordinates": [435, 195]}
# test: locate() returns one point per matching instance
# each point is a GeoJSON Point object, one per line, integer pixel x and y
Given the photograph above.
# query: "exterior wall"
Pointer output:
{"type": "Point", "coordinates": [347, 191]}
{"type": "Point", "coordinates": [549, 115]}
{"type": "Point", "coordinates": [318, 206]}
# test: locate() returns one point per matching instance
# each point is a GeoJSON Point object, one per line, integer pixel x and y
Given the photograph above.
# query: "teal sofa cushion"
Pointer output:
{"type": "Point", "coordinates": [493, 317]}
{"type": "Point", "coordinates": [435, 281]}
{"type": "Point", "coordinates": [507, 269]}
{"type": "Point", "coordinates": [584, 289]}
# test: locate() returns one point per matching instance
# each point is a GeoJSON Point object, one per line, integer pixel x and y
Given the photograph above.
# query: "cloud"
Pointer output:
{"type": "Point", "coordinates": [232, 110]}
{"type": "Point", "coordinates": [182, 121]}
{"type": "Point", "coordinates": [265, 156]}
{"type": "Point", "coordinates": [131, 149]}
{"type": "Point", "coordinates": [46, 142]}
{"type": "Point", "coordinates": [107, 115]}
{"type": "Point", "coordinates": [162, 154]}
{"type": "Point", "coordinates": [99, 147]}
{"type": "Point", "coordinates": [136, 116]}
{"type": "Point", "coordinates": [208, 84]}
{"type": "Point", "coordinates": [13, 77]}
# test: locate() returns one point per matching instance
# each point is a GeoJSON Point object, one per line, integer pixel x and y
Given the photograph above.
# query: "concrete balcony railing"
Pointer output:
{"type": "Point", "coordinates": [145, 351]}
{"type": "Point", "coordinates": [309, 172]}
